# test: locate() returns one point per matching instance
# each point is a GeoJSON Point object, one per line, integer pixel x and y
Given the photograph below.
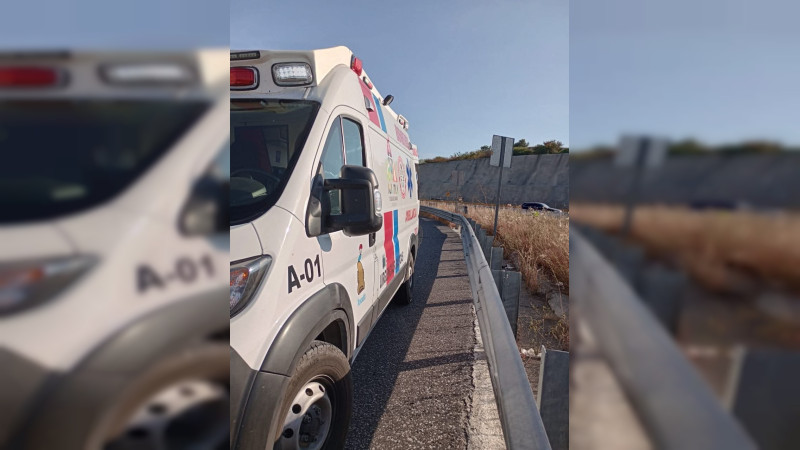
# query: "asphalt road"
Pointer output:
{"type": "Point", "coordinates": [413, 378]}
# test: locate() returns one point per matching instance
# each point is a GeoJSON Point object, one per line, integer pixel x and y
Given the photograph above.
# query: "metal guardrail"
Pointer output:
{"type": "Point", "coordinates": [675, 406]}
{"type": "Point", "coordinates": [519, 416]}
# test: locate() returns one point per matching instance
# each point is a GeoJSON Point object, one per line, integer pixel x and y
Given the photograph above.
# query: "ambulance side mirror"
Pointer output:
{"type": "Point", "coordinates": [347, 203]}
{"type": "Point", "coordinates": [359, 215]}
{"type": "Point", "coordinates": [206, 211]}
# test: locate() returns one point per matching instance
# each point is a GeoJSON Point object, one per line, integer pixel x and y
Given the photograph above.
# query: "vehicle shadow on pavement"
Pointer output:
{"type": "Point", "coordinates": [381, 361]}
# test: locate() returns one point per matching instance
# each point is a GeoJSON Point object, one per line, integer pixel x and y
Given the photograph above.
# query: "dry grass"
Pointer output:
{"type": "Point", "coordinates": [724, 250]}
{"type": "Point", "coordinates": [549, 329]}
{"type": "Point", "coordinates": [537, 243]}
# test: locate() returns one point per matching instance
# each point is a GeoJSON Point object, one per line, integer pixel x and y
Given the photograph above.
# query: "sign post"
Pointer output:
{"type": "Point", "coordinates": [502, 149]}
{"type": "Point", "coordinates": [639, 152]}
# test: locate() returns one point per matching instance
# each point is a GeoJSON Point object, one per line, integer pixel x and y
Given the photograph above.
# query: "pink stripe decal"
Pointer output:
{"type": "Point", "coordinates": [373, 115]}
{"type": "Point", "coordinates": [388, 244]}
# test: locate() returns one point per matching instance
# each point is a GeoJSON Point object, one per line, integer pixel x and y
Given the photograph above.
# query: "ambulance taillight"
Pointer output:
{"type": "Point", "coordinates": [31, 77]}
{"type": "Point", "coordinates": [244, 77]}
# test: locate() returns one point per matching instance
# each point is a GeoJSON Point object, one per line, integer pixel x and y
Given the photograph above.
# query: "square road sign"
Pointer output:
{"type": "Point", "coordinates": [499, 151]}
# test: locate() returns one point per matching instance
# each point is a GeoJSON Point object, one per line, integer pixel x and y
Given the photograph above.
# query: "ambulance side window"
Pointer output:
{"type": "Point", "coordinates": [353, 142]}
{"type": "Point", "coordinates": [332, 162]}
{"type": "Point", "coordinates": [333, 154]}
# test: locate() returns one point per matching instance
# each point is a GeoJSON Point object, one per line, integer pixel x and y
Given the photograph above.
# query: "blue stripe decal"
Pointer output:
{"type": "Point", "coordinates": [380, 112]}
{"type": "Point", "coordinates": [396, 243]}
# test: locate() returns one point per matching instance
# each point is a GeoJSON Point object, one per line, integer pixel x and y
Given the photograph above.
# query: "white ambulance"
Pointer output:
{"type": "Point", "coordinates": [113, 244]}
{"type": "Point", "coordinates": [324, 231]}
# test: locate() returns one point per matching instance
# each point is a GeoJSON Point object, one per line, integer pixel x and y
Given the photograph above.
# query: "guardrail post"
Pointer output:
{"type": "Point", "coordinates": [763, 392]}
{"type": "Point", "coordinates": [481, 235]}
{"type": "Point", "coordinates": [553, 398]}
{"type": "Point", "coordinates": [509, 284]}
{"type": "Point", "coordinates": [496, 260]}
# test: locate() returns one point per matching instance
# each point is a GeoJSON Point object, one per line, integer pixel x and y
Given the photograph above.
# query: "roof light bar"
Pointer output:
{"type": "Point", "coordinates": [30, 77]}
{"type": "Point", "coordinates": [243, 78]}
{"type": "Point", "coordinates": [292, 74]}
{"type": "Point", "coordinates": [148, 74]}
{"type": "Point", "coordinates": [356, 65]}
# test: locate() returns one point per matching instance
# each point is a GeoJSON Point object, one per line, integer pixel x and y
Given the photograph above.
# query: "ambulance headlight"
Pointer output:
{"type": "Point", "coordinates": [27, 284]}
{"type": "Point", "coordinates": [246, 276]}
{"type": "Point", "coordinates": [292, 74]}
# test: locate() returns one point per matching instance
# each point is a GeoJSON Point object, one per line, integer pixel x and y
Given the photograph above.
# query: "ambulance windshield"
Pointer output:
{"type": "Point", "coordinates": [63, 156]}
{"type": "Point", "coordinates": [266, 139]}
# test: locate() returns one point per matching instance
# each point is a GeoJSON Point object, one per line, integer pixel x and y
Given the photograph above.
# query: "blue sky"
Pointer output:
{"type": "Point", "coordinates": [460, 71]}
{"type": "Point", "coordinates": [104, 24]}
{"type": "Point", "coordinates": [718, 70]}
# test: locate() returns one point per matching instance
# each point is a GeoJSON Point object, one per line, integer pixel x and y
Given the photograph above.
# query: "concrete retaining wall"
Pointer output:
{"type": "Point", "coordinates": [531, 178]}
{"type": "Point", "coordinates": [769, 181]}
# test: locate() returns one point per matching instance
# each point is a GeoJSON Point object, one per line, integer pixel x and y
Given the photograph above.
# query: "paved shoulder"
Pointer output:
{"type": "Point", "coordinates": [413, 378]}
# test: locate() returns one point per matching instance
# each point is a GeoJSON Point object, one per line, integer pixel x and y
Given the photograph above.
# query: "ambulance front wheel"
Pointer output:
{"type": "Point", "coordinates": [318, 403]}
{"type": "Point", "coordinates": [182, 400]}
{"type": "Point", "coordinates": [405, 296]}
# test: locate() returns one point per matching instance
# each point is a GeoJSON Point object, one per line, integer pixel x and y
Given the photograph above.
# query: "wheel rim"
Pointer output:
{"type": "Point", "coordinates": [187, 414]}
{"type": "Point", "coordinates": [309, 418]}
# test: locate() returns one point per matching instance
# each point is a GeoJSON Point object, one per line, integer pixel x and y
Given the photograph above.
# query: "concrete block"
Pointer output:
{"type": "Point", "coordinates": [496, 261]}
{"type": "Point", "coordinates": [628, 261]}
{"type": "Point", "coordinates": [662, 289]}
{"type": "Point", "coordinates": [763, 394]}
{"type": "Point", "coordinates": [487, 247]}
{"type": "Point", "coordinates": [509, 284]}
{"type": "Point", "coordinates": [553, 398]}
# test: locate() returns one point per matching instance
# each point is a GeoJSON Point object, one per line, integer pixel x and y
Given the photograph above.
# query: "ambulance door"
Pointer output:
{"type": "Point", "coordinates": [349, 260]}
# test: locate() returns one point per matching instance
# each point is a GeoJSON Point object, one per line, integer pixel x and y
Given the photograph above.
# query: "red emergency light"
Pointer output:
{"type": "Point", "coordinates": [356, 65]}
{"type": "Point", "coordinates": [243, 77]}
{"type": "Point", "coordinates": [29, 77]}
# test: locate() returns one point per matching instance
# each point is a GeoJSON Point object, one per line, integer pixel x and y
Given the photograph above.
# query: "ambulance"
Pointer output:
{"type": "Point", "coordinates": [113, 244]}
{"type": "Point", "coordinates": [324, 233]}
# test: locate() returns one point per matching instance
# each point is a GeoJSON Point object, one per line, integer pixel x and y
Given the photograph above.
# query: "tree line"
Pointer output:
{"type": "Point", "coordinates": [521, 147]}
{"type": "Point", "coordinates": [695, 147]}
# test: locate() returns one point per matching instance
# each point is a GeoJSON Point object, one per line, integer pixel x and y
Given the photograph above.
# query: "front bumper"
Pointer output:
{"type": "Point", "coordinates": [255, 400]}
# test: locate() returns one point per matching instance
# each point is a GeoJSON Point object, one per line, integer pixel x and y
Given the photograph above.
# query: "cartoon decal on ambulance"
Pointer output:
{"type": "Point", "coordinates": [402, 176]}
{"type": "Point", "coordinates": [360, 270]}
{"type": "Point", "coordinates": [410, 176]}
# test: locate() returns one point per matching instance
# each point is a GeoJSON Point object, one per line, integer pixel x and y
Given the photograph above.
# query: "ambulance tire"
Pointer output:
{"type": "Point", "coordinates": [200, 373]}
{"type": "Point", "coordinates": [323, 373]}
{"type": "Point", "coordinates": [405, 295]}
